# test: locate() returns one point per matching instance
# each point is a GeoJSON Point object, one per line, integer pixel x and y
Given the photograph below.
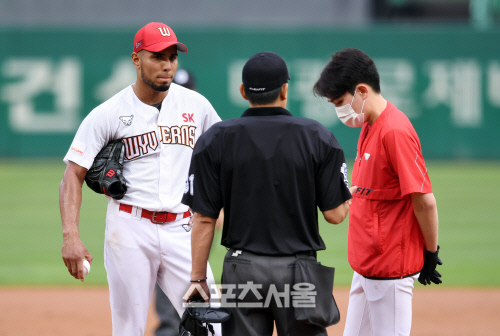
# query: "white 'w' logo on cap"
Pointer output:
{"type": "Point", "coordinates": [164, 31]}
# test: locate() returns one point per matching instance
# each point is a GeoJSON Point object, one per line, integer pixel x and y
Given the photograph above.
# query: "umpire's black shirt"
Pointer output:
{"type": "Point", "coordinates": [270, 171]}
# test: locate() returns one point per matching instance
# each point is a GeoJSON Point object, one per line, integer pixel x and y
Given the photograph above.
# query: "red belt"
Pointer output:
{"type": "Point", "coordinates": [155, 216]}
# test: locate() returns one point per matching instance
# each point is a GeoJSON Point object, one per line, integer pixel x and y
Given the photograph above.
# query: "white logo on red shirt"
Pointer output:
{"type": "Point", "coordinates": [367, 156]}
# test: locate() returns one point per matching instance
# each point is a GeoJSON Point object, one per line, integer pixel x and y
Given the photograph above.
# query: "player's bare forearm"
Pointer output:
{"type": "Point", "coordinates": [201, 239]}
{"type": "Point", "coordinates": [425, 209]}
{"type": "Point", "coordinates": [70, 199]}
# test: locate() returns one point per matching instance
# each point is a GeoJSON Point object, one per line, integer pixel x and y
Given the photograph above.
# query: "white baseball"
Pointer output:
{"type": "Point", "coordinates": [86, 267]}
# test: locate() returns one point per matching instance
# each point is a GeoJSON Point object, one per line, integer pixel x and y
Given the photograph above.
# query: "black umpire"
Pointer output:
{"type": "Point", "coordinates": [270, 171]}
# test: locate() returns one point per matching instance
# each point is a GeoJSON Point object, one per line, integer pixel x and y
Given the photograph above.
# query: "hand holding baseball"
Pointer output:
{"type": "Point", "coordinates": [86, 267]}
{"type": "Point", "coordinates": [73, 254]}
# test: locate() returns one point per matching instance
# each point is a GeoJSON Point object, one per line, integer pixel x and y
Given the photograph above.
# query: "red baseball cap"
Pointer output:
{"type": "Point", "coordinates": [155, 37]}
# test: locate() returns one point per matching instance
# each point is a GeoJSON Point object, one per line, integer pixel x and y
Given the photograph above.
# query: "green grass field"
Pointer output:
{"type": "Point", "coordinates": [468, 195]}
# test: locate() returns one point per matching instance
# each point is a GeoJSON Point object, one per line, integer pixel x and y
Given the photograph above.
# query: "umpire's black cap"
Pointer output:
{"type": "Point", "coordinates": [264, 71]}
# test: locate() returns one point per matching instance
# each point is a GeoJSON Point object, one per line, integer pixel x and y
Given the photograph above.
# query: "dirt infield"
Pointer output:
{"type": "Point", "coordinates": [86, 312]}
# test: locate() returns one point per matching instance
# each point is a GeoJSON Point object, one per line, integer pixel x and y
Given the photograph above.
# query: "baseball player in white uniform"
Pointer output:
{"type": "Point", "coordinates": [148, 236]}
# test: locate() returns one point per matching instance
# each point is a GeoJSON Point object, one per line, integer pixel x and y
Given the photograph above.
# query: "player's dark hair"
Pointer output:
{"type": "Point", "coordinates": [263, 98]}
{"type": "Point", "coordinates": [346, 69]}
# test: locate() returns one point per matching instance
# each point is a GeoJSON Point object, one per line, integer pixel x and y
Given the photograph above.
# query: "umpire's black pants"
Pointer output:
{"type": "Point", "coordinates": [258, 308]}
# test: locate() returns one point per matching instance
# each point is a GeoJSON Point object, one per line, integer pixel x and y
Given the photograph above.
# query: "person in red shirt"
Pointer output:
{"type": "Point", "coordinates": [393, 220]}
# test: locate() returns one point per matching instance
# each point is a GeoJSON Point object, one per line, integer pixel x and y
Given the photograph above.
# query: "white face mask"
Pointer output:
{"type": "Point", "coordinates": [348, 116]}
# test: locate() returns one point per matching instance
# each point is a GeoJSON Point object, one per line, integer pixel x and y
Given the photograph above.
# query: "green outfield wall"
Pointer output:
{"type": "Point", "coordinates": [446, 79]}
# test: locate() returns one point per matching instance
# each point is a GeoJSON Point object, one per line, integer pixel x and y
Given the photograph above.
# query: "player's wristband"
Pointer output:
{"type": "Point", "coordinates": [200, 280]}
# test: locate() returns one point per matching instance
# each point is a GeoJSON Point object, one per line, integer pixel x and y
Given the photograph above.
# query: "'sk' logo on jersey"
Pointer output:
{"type": "Point", "coordinates": [127, 120]}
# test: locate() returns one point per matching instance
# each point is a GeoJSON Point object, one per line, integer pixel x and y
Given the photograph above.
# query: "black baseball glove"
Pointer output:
{"type": "Point", "coordinates": [106, 174]}
{"type": "Point", "coordinates": [428, 273]}
{"type": "Point", "coordinates": [196, 320]}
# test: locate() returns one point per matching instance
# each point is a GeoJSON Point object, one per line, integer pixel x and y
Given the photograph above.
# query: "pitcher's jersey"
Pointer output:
{"type": "Point", "coordinates": [158, 144]}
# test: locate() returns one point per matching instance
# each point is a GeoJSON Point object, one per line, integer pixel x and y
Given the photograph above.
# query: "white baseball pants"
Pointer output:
{"type": "Point", "coordinates": [379, 307]}
{"type": "Point", "coordinates": [137, 254]}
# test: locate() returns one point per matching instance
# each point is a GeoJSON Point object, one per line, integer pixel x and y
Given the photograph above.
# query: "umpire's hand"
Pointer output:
{"type": "Point", "coordinates": [428, 273]}
{"type": "Point", "coordinates": [197, 291]}
{"type": "Point", "coordinates": [73, 252]}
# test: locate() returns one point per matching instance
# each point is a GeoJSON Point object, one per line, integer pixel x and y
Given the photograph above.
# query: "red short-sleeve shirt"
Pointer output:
{"type": "Point", "coordinates": [385, 240]}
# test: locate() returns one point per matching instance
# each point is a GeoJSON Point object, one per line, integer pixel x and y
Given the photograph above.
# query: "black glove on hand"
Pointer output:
{"type": "Point", "coordinates": [106, 174]}
{"type": "Point", "coordinates": [428, 273]}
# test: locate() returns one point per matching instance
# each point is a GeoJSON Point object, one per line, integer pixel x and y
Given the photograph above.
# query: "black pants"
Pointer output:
{"type": "Point", "coordinates": [261, 288]}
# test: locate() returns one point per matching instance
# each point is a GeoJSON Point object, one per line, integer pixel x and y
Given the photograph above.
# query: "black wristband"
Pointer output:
{"type": "Point", "coordinates": [200, 280]}
{"type": "Point", "coordinates": [432, 254]}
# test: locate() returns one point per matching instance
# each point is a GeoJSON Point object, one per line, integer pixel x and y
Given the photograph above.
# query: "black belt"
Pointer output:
{"type": "Point", "coordinates": [298, 254]}
{"type": "Point", "coordinates": [306, 254]}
